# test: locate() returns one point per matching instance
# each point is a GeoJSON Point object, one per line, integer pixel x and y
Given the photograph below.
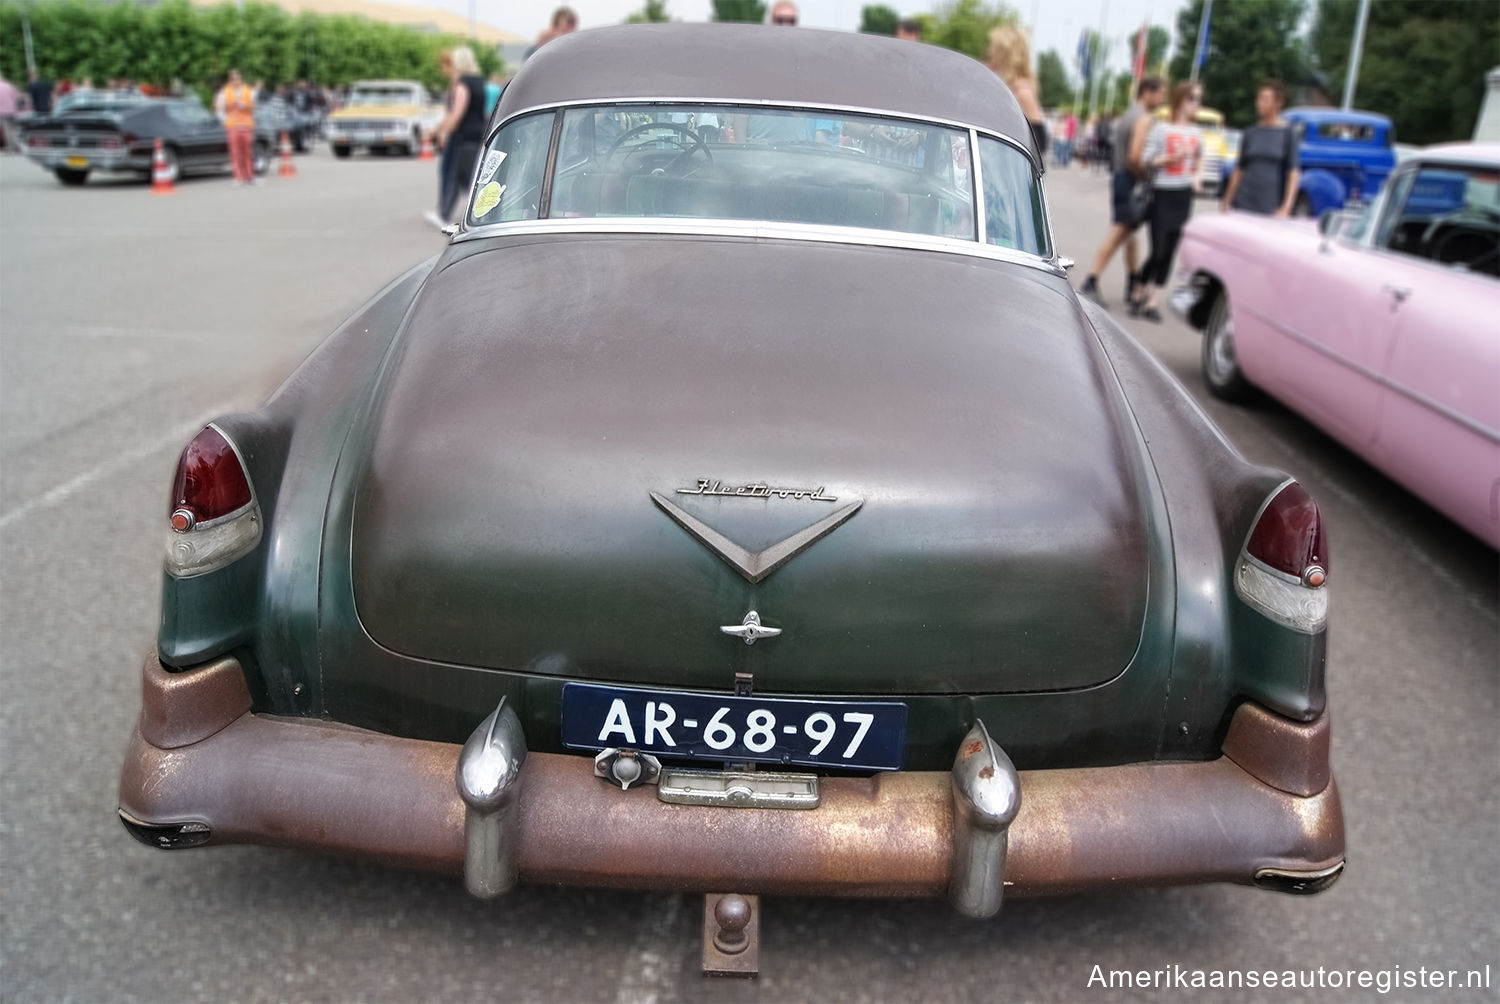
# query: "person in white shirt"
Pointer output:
{"type": "Point", "coordinates": [1172, 153]}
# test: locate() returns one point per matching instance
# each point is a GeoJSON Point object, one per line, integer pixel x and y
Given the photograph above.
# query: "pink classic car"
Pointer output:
{"type": "Point", "coordinates": [1382, 325]}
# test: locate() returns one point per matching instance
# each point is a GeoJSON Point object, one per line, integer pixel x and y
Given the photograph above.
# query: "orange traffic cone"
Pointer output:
{"type": "Point", "coordinates": [161, 175]}
{"type": "Point", "coordinates": [427, 153]}
{"type": "Point", "coordinates": [287, 169]}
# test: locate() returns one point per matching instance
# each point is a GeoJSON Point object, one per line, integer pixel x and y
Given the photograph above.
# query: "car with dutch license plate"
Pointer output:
{"type": "Point", "coordinates": [382, 116]}
{"type": "Point", "coordinates": [743, 502]}
{"type": "Point", "coordinates": [1377, 326]}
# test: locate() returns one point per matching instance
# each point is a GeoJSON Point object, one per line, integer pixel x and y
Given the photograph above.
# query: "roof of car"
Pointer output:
{"type": "Point", "coordinates": [1308, 114]}
{"type": "Point", "coordinates": [1459, 153]}
{"type": "Point", "coordinates": [747, 63]}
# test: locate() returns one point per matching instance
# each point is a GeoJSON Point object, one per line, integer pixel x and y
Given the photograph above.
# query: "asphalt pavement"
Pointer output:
{"type": "Point", "coordinates": [127, 319]}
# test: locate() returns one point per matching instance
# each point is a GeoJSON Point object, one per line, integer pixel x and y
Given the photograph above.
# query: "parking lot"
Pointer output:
{"type": "Point", "coordinates": [127, 320]}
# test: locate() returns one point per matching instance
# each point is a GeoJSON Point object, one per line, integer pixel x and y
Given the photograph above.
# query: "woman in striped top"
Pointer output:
{"type": "Point", "coordinates": [1172, 155]}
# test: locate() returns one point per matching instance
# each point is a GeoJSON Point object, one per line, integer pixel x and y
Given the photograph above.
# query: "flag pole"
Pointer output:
{"type": "Point", "coordinates": [1200, 53]}
{"type": "Point", "coordinates": [1352, 77]}
{"type": "Point", "coordinates": [1098, 60]}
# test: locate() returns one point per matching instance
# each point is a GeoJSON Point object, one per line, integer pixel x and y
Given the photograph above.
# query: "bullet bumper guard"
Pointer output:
{"type": "Point", "coordinates": [201, 768]}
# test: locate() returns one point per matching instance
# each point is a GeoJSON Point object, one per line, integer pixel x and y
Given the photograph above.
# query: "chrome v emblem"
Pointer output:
{"type": "Point", "coordinates": [755, 565]}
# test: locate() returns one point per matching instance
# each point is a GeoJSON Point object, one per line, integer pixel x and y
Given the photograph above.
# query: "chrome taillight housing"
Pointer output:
{"type": "Point", "coordinates": [1282, 569]}
{"type": "Point", "coordinates": [214, 516]}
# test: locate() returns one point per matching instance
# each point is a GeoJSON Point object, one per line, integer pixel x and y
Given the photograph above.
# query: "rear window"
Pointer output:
{"type": "Point", "coordinates": [1345, 132]}
{"type": "Point", "coordinates": [795, 166]}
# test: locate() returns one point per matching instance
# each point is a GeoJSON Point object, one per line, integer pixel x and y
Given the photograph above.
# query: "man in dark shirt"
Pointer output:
{"type": "Point", "coordinates": [1265, 180]}
{"type": "Point", "coordinates": [39, 90]}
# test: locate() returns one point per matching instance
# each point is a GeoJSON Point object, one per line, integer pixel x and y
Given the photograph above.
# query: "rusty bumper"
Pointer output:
{"type": "Point", "coordinates": [201, 768]}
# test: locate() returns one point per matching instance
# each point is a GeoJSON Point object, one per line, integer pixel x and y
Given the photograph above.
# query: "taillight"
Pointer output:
{"type": "Point", "coordinates": [1289, 536]}
{"type": "Point", "coordinates": [213, 512]}
{"type": "Point", "coordinates": [210, 481]}
{"type": "Point", "coordinates": [37, 139]}
{"type": "Point", "coordinates": [1283, 566]}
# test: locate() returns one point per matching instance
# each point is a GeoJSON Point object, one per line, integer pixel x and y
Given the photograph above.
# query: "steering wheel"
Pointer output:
{"type": "Point", "coordinates": [688, 149]}
{"type": "Point", "coordinates": [1462, 214]}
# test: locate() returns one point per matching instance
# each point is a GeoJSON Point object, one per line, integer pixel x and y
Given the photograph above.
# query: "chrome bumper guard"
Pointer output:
{"type": "Point", "coordinates": [203, 769]}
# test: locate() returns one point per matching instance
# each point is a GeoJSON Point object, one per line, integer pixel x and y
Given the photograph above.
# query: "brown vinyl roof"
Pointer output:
{"type": "Point", "coordinates": [748, 62]}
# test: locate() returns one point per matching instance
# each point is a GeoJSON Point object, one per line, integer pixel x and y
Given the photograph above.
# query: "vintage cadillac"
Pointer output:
{"type": "Point", "coordinates": [743, 502]}
{"type": "Point", "coordinates": [1380, 328]}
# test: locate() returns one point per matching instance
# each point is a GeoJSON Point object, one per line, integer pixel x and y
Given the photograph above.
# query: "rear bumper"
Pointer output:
{"type": "Point", "coordinates": [201, 768]}
{"type": "Point", "coordinates": [89, 159]}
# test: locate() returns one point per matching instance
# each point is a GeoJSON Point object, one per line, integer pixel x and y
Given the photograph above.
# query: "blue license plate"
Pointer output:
{"type": "Point", "coordinates": [859, 735]}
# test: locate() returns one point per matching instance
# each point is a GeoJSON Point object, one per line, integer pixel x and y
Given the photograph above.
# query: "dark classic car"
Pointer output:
{"type": "Point", "coordinates": [118, 132]}
{"type": "Point", "coordinates": [743, 502]}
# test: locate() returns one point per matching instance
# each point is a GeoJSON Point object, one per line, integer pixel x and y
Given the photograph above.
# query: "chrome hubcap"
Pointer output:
{"type": "Point", "coordinates": [1221, 344]}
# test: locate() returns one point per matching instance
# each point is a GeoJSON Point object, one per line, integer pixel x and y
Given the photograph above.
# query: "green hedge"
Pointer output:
{"type": "Point", "coordinates": [175, 40]}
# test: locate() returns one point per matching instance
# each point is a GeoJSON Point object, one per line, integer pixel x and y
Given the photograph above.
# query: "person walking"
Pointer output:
{"type": "Point", "coordinates": [39, 91]}
{"type": "Point", "coordinates": [1134, 123]}
{"type": "Point", "coordinates": [461, 133]}
{"type": "Point", "coordinates": [1009, 55]}
{"type": "Point", "coordinates": [445, 154]}
{"type": "Point", "coordinates": [1173, 153]}
{"type": "Point", "coordinates": [235, 106]}
{"type": "Point", "coordinates": [1069, 136]}
{"type": "Point", "coordinates": [1265, 181]}
{"type": "Point", "coordinates": [564, 20]}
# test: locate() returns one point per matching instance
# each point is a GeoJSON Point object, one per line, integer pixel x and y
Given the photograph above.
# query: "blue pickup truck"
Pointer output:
{"type": "Point", "coordinates": [1346, 155]}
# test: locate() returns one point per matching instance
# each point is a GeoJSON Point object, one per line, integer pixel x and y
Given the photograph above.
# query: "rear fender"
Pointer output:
{"type": "Point", "coordinates": [1324, 190]}
{"type": "Point", "coordinates": [263, 606]}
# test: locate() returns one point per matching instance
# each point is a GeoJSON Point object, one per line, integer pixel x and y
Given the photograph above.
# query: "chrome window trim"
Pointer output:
{"type": "Point", "coordinates": [758, 230]}
{"type": "Point", "coordinates": [981, 218]}
{"type": "Point", "coordinates": [759, 103]}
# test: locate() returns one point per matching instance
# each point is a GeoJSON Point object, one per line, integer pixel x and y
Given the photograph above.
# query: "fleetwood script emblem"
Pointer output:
{"type": "Point", "coordinates": [756, 565]}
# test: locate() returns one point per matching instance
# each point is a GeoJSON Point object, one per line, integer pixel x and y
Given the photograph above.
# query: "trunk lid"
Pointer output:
{"type": "Point", "coordinates": [560, 411]}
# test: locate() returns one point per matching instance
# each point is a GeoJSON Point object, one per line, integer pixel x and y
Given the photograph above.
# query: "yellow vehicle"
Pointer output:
{"type": "Point", "coordinates": [381, 116]}
{"type": "Point", "coordinates": [1215, 147]}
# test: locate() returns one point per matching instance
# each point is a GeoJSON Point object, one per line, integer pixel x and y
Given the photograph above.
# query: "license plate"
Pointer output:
{"type": "Point", "coordinates": [859, 735]}
{"type": "Point", "coordinates": [77, 162]}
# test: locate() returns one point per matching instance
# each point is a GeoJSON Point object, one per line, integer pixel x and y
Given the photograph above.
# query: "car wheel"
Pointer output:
{"type": "Point", "coordinates": [341, 152]}
{"type": "Point", "coordinates": [1303, 206]}
{"type": "Point", "coordinates": [260, 157]}
{"type": "Point", "coordinates": [71, 176]}
{"type": "Point", "coordinates": [1221, 368]}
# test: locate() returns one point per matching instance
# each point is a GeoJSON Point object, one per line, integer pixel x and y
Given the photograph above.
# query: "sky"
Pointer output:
{"type": "Point", "coordinates": [1054, 24]}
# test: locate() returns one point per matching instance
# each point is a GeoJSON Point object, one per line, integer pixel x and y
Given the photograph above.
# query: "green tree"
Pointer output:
{"type": "Point", "coordinates": [654, 11]}
{"type": "Point", "coordinates": [752, 11]}
{"type": "Point", "coordinates": [1248, 42]}
{"type": "Point", "coordinates": [878, 19]}
{"type": "Point", "coordinates": [1423, 62]}
{"type": "Point", "coordinates": [176, 42]}
{"type": "Point", "coordinates": [964, 25]}
{"type": "Point", "coordinates": [1052, 81]}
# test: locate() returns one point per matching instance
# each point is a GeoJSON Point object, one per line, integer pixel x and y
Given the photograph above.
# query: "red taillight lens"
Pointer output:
{"type": "Point", "coordinates": [37, 140]}
{"type": "Point", "coordinates": [1289, 536]}
{"type": "Point", "coordinates": [210, 481]}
